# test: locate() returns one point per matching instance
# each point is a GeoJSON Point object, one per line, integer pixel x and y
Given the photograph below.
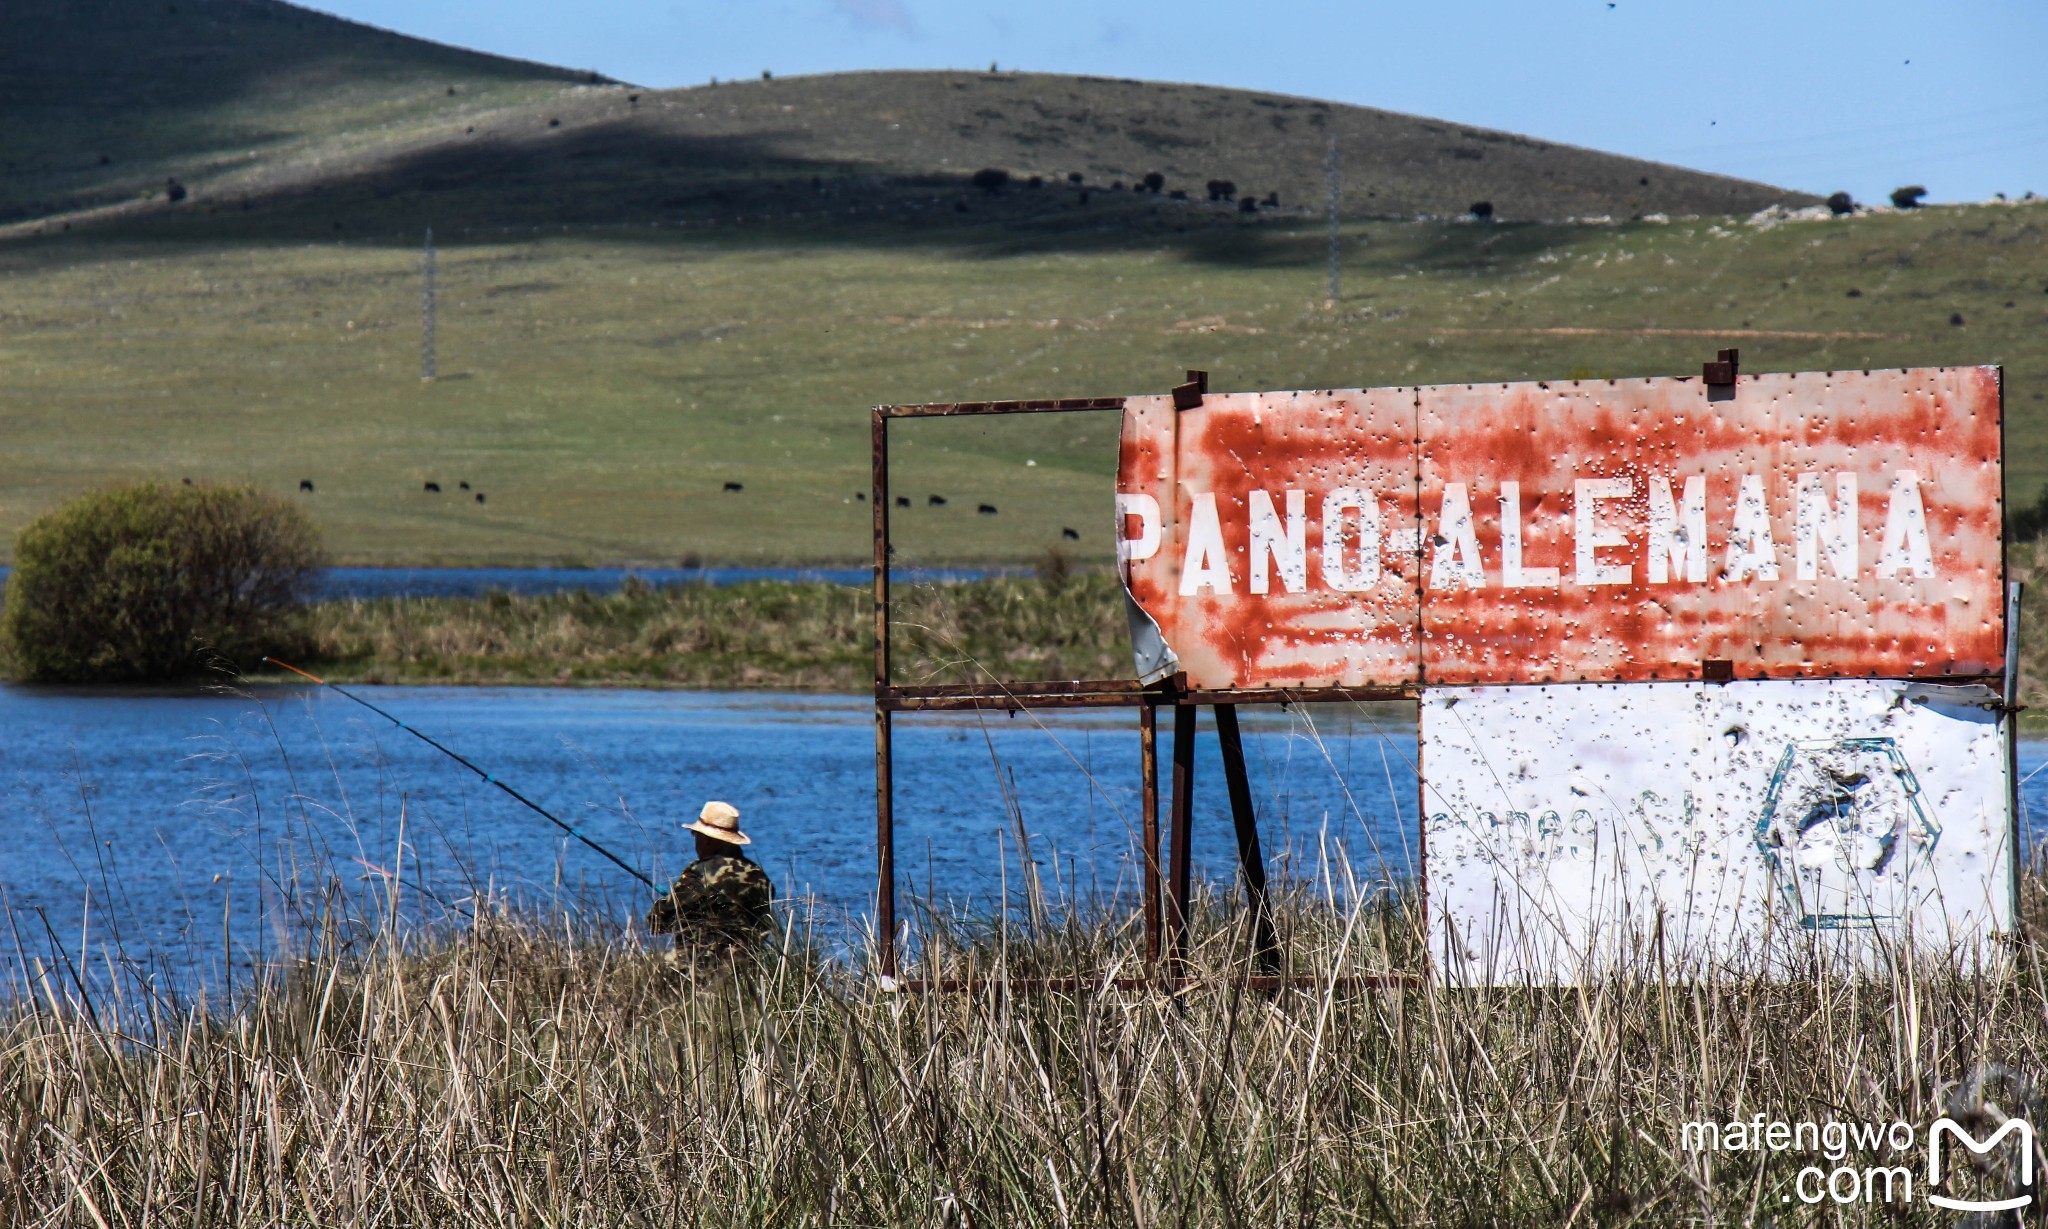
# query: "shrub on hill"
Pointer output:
{"type": "Point", "coordinates": [1907, 197]}
{"type": "Point", "coordinates": [145, 583]}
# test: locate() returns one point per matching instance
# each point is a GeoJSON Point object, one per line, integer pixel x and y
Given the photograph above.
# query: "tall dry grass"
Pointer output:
{"type": "Point", "coordinates": [810, 636]}
{"type": "Point", "coordinates": [550, 1072]}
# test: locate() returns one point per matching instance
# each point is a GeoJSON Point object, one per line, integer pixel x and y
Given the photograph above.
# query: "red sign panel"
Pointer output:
{"type": "Point", "coordinates": [1800, 526]}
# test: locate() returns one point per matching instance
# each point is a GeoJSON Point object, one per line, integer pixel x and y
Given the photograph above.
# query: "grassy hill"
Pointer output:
{"type": "Point", "coordinates": [304, 121]}
{"type": "Point", "coordinates": [103, 101]}
{"type": "Point", "coordinates": [645, 295]}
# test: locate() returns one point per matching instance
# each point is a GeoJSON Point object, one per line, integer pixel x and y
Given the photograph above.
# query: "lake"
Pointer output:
{"type": "Point", "coordinates": [181, 832]}
{"type": "Point", "coordinates": [337, 584]}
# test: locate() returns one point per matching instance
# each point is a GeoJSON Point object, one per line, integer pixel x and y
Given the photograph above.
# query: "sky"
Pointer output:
{"type": "Point", "coordinates": [1818, 95]}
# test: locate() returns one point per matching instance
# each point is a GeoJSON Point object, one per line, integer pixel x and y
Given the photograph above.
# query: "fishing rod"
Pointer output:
{"type": "Point", "coordinates": [529, 803]}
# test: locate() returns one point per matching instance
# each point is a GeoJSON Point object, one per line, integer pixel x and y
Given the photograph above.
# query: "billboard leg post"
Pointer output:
{"type": "Point", "coordinates": [885, 847]}
{"type": "Point", "coordinates": [1148, 807]}
{"type": "Point", "coordinates": [1265, 947]}
{"type": "Point", "coordinates": [1183, 813]}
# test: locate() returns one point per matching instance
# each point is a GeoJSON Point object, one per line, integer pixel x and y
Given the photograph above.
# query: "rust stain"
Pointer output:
{"type": "Point", "coordinates": [1842, 524]}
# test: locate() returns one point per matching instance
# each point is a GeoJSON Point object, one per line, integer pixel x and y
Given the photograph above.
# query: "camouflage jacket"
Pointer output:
{"type": "Point", "coordinates": [718, 901]}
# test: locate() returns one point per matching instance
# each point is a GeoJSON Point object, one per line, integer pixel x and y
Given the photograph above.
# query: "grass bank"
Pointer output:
{"type": "Point", "coordinates": [525, 1072]}
{"type": "Point", "coordinates": [781, 635]}
{"type": "Point", "coordinates": [767, 634]}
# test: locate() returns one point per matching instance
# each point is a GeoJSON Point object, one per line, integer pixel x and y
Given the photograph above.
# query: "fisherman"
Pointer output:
{"type": "Point", "coordinates": [719, 904]}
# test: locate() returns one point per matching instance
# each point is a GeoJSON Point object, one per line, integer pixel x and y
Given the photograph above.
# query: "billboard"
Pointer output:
{"type": "Point", "coordinates": [1818, 525]}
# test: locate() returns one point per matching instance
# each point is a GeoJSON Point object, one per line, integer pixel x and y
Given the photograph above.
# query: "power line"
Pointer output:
{"type": "Point", "coordinates": [1333, 170]}
{"type": "Point", "coordinates": [427, 298]}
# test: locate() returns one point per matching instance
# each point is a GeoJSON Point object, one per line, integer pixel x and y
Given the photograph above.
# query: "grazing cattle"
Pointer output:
{"type": "Point", "coordinates": [903, 501]}
{"type": "Point", "coordinates": [1483, 210]}
{"type": "Point", "coordinates": [433, 488]}
{"type": "Point", "coordinates": [860, 497]}
{"type": "Point", "coordinates": [306, 485]}
{"type": "Point", "coordinates": [935, 501]}
{"type": "Point", "coordinates": [1071, 535]}
{"type": "Point", "coordinates": [479, 496]}
{"type": "Point", "coordinates": [187, 481]}
{"type": "Point", "coordinates": [463, 485]}
{"type": "Point", "coordinates": [987, 509]}
{"type": "Point", "coordinates": [735, 486]}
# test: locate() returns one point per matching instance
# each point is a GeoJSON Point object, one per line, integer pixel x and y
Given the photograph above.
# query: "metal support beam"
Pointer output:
{"type": "Point", "coordinates": [1265, 947]}
{"type": "Point", "coordinates": [885, 781]}
{"type": "Point", "coordinates": [1183, 813]}
{"type": "Point", "coordinates": [1148, 807]}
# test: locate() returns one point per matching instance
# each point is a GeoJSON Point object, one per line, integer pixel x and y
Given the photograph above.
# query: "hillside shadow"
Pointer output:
{"type": "Point", "coordinates": [98, 99]}
{"type": "Point", "coordinates": [730, 191]}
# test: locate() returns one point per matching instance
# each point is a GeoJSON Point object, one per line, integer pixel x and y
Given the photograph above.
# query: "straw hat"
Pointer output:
{"type": "Point", "coordinates": [721, 822]}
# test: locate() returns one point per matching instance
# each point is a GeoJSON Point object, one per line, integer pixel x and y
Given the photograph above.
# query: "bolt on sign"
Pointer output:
{"type": "Point", "coordinates": [1462, 539]}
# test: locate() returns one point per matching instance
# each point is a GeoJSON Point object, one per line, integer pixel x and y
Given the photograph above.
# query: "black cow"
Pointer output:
{"type": "Point", "coordinates": [463, 485]}
{"type": "Point", "coordinates": [735, 486]}
{"type": "Point", "coordinates": [987, 509]}
{"type": "Point", "coordinates": [433, 488]}
{"type": "Point", "coordinates": [479, 496]}
{"type": "Point", "coordinates": [903, 501]}
{"type": "Point", "coordinates": [1071, 535]}
{"type": "Point", "coordinates": [306, 485]}
{"type": "Point", "coordinates": [935, 501]}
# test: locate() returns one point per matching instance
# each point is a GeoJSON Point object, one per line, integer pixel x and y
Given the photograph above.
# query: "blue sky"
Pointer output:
{"type": "Point", "coordinates": [1817, 95]}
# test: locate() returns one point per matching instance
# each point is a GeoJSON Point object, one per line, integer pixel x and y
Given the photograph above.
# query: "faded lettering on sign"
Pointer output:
{"type": "Point", "coordinates": [1841, 524]}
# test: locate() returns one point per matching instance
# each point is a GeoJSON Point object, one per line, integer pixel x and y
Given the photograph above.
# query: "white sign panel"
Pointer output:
{"type": "Point", "coordinates": [1706, 828]}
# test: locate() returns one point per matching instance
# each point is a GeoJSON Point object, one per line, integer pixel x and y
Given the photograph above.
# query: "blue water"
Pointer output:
{"type": "Point", "coordinates": [365, 583]}
{"type": "Point", "coordinates": [471, 582]}
{"type": "Point", "coordinates": [188, 834]}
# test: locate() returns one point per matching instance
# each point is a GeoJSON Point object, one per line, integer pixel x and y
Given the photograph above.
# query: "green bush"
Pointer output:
{"type": "Point", "coordinates": [145, 583]}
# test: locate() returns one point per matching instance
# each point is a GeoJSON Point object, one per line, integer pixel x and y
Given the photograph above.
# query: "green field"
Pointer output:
{"type": "Point", "coordinates": [600, 385]}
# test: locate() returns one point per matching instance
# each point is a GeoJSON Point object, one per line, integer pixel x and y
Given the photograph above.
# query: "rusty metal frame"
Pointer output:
{"type": "Point", "coordinates": [1165, 912]}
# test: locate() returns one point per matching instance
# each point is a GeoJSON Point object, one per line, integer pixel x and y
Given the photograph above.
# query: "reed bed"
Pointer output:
{"type": "Point", "coordinates": [553, 1071]}
{"type": "Point", "coordinates": [1059, 623]}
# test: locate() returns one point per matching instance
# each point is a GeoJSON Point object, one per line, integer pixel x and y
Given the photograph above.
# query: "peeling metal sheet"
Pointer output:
{"type": "Point", "coordinates": [1702, 828]}
{"type": "Point", "coordinates": [1842, 524]}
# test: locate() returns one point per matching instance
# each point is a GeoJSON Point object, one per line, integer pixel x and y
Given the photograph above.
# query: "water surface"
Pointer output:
{"type": "Point", "coordinates": [185, 831]}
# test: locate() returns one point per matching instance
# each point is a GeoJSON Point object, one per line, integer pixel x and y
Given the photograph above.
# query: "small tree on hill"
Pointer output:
{"type": "Point", "coordinates": [145, 583]}
{"type": "Point", "coordinates": [1841, 203]}
{"type": "Point", "coordinates": [1907, 197]}
{"type": "Point", "coordinates": [1154, 181]}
